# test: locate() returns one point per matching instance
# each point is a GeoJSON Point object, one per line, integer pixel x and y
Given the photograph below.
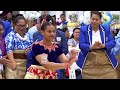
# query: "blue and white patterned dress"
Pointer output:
{"type": "Point", "coordinates": [73, 42]}
{"type": "Point", "coordinates": [116, 49]}
{"type": "Point", "coordinates": [14, 43]}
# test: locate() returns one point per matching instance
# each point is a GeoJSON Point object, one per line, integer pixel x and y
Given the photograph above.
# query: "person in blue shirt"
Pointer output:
{"type": "Point", "coordinates": [60, 36]}
{"type": "Point", "coordinates": [96, 43]}
{"type": "Point", "coordinates": [60, 39]}
{"type": "Point", "coordinates": [45, 55]}
{"type": "Point", "coordinates": [7, 16]}
{"type": "Point", "coordinates": [3, 57]}
{"type": "Point", "coordinates": [17, 41]}
{"type": "Point", "coordinates": [7, 28]}
{"type": "Point", "coordinates": [116, 51]}
{"type": "Point", "coordinates": [63, 22]}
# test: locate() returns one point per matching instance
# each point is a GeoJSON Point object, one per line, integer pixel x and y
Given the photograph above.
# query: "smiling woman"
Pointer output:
{"type": "Point", "coordinates": [44, 64]}
{"type": "Point", "coordinates": [17, 42]}
{"type": "Point", "coordinates": [96, 43]}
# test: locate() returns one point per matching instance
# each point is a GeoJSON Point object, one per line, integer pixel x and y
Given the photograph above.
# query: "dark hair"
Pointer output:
{"type": "Point", "coordinates": [18, 15]}
{"type": "Point", "coordinates": [48, 19]}
{"type": "Point", "coordinates": [44, 25]}
{"type": "Point", "coordinates": [54, 20]}
{"type": "Point", "coordinates": [18, 18]}
{"type": "Point", "coordinates": [62, 15]}
{"type": "Point", "coordinates": [54, 16]}
{"type": "Point", "coordinates": [1, 23]}
{"type": "Point", "coordinates": [72, 36]}
{"type": "Point", "coordinates": [6, 12]}
{"type": "Point", "coordinates": [97, 13]}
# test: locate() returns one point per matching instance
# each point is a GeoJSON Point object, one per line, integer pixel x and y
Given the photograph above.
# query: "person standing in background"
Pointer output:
{"type": "Point", "coordinates": [96, 43]}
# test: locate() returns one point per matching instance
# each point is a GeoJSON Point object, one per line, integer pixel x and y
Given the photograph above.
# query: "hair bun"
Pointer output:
{"type": "Point", "coordinates": [50, 21]}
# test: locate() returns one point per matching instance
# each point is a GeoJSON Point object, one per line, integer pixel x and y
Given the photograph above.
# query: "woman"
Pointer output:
{"type": "Point", "coordinates": [73, 41]}
{"type": "Point", "coordinates": [44, 63]}
{"type": "Point", "coordinates": [96, 57]}
{"type": "Point", "coordinates": [66, 31]}
{"type": "Point", "coordinates": [17, 42]}
{"type": "Point", "coordinates": [3, 56]}
{"type": "Point", "coordinates": [116, 51]}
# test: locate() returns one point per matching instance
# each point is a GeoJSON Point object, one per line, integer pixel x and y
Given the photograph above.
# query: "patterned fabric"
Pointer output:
{"type": "Point", "coordinates": [31, 31]}
{"type": "Point", "coordinates": [13, 42]}
{"type": "Point", "coordinates": [2, 46]}
{"type": "Point", "coordinates": [40, 72]}
{"type": "Point", "coordinates": [37, 49]}
{"type": "Point", "coordinates": [98, 66]}
{"type": "Point", "coordinates": [116, 49]}
{"type": "Point", "coordinates": [118, 67]}
{"type": "Point", "coordinates": [73, 42]}
{"type": "Point", "coordinates": [20, 71]}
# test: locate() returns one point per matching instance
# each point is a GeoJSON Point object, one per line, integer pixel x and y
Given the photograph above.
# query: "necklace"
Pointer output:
{"type": "Point", "coordinates": [50, 48]}
{"type": "Point", "coordinates": [21, 38]}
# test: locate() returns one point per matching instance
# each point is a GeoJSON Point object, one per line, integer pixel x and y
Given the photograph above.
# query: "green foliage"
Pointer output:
{"type": "Point", "coordinates": [73, 17]}
{"type": "Point", "coordinates": [116, 16]}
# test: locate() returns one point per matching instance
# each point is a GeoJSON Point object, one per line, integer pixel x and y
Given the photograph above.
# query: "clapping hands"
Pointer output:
{"type": "Point", "coordinates": [98, 45]}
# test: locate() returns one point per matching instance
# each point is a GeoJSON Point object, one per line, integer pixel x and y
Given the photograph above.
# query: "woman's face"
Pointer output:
{"type": "Point", "coordinates": [9, 15]}
{"type": "Point", "coordinates": [1, 30]}
{"type": "Point", "coordinates": [76, 33]}
{"type": "Point", "coordinates": [49, 33]}
{"type": "Point", "coordinates": [20, 26]}
{"type": "Point", "coordinates": [95, 20]}
{"type": "Point", "coordinates": [62, 18]}
{"type": "Point", "coordinates": [38, 25]}
{"type": "Point", "coordinates": [67, 34]}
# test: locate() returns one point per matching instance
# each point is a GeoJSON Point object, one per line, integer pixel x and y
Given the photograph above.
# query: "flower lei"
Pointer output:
{"type": "Point", "coordinates": [53, 46]}
{"type": "Point", "coordinates": [21, 38]}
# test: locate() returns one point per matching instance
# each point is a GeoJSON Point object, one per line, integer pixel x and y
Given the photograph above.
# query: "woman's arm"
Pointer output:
{"type": "Point", "coordinates": [110, 42]}
{"type": "Point", "coordinates": [11, 58]}
{"type": "Point", "coordinates": [82, 41]}
{"type": "Point", "coordinates": [5, 62]}
{"type": "Point", "coordinates": [9, 41]}
{"type": "Point", "coordinates": [49, 65]}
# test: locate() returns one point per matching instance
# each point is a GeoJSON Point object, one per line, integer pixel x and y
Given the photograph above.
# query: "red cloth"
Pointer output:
{"type": "Point", "coordinates": [44, 74]}
{"type": "Point", "coordinates": [67, 72]}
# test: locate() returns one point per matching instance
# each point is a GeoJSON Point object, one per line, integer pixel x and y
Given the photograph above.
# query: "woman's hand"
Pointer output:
{"type": "Point", "coordinates": [73, 53]}
{"type": "Point", "coordinates": [5, 56]}
{"type": "Point", "coordinates": [5, 62]}
{"type": "Point", "coordinates": [13, 65]}
{"type": "Point", "coordinates": [72, 61]}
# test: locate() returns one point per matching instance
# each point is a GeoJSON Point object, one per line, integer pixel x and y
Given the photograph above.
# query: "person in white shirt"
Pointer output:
{"type": "Point", "coordinates": [96, 43]}
{"type": "Point", "coordinates": [34, 29]}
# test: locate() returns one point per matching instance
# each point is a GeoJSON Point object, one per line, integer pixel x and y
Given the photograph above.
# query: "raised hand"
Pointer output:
{"type": "Point", "coordinates": [5, 62]}
{"type": "Point", "coordinates": [73, 53]}
{"type": "Point", "coordinates": [98, 45]}
{"type": "Point", "coordinates": [102, 46]}
{"type": "Point", "coordinates": [95, 46]}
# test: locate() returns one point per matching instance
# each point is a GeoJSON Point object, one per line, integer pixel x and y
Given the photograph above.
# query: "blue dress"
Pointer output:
{"type": "Point", "coordinates": [14, 43]}
{"type": "Point", "coordinates": [37, 49]}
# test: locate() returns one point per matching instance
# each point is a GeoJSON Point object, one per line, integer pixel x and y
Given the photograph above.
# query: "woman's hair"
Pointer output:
{"type": "Point", "coordinates": [1, 23]}
{"type": "Point", "coordinates": [62, 15]}
{"type": "Point", "coordinates": [48, 19]}
{"type": "Point", "coordinates": [18, 18]}
{"type": "Point", "coordinates": [44, 25]}
{"type": "Point", "coordinates": [97, 13]}
{"type": "Point", "coordinates": [72, 36]}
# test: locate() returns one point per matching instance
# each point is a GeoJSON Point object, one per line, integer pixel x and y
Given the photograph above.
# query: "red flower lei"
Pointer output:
{"type": "Point", "coordinates": [53, 46]}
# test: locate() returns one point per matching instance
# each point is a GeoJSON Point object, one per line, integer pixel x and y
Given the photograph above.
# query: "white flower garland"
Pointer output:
{"type": "Point", "coordinates": [21, 38]}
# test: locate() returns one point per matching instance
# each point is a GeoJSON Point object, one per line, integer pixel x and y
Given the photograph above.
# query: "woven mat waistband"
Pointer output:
{"type": "Point", "coordinates": [38, 67]}
{"type": "Point", "coordinates": [19, 51]}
